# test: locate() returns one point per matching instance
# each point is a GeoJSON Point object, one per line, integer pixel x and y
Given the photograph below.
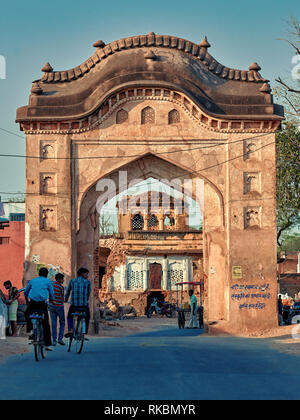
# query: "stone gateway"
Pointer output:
{"type": "Point", "coordinates": [157, 107]}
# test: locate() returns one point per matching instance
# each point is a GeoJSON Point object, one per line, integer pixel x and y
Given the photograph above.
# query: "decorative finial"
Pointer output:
{"type": "Point", "coordinates": [204, 43]}
{"type": "Point", "coordinates": [47, 68]}
{"type": "Point", "coordinates": [266, 88]}
{"type": "Point", "coordinates": [99, 44]}
{"type": "Point", "coordinates": [254, 67]}
{"type": "Point", "coordinates": [36, 89]}
{"type": "Point", "coordinates": [150, 55]}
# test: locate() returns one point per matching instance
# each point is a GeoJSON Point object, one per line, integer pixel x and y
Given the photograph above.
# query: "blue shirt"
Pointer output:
{"type": "Point", "coordinates": [193, 302]}
{"type": "Point", "coordinates": [39, 289]}
{"type": "Point", "coordinates": [81, 290]}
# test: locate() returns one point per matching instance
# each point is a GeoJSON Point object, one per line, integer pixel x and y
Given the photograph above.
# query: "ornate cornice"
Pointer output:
{"type": "Point", "coordinates": [115, 102]}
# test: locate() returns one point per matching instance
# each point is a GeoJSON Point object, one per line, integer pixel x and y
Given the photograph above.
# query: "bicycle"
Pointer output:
{"type": "Point", "coordinates": [79, 330]}
{"type": "Point", "coordinates": [38, 342]}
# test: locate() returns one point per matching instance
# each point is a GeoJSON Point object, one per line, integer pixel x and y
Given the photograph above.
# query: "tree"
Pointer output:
{"type": "Point", "coordinates": [289, 90]}
{"type": "Point", "coordinates": [16, 199]}
{"type": "Point", "coordinates": [290, 243]}
{"type": "Point", "coordinates": [288, 141]}
{"type": "Point", "coordinates": [288, 178]}
{"type": "Point", "coordinates": [106, 226]}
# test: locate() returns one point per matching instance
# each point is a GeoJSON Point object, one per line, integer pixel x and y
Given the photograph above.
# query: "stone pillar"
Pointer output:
{"type": "Point", "coordinates": [123, 275]}
{"type": "Point", "coordinates": [145, 216]}
{"type": "Point", "coordinates": [160, 217]}
{"type": "Point", "coordinates": [176, 219]}
{"type": "Point", "coordinates": [186, 272]}
{"type": "Point", "coordinates": [145, 275]}
{"type": "Point", "coordinates": [165, 274]}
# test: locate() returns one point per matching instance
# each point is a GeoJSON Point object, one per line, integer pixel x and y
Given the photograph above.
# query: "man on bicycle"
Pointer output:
{"type": "Point", "coordinates": [80, 291]}
{"type": "Point", "coordinates": [38, 291]}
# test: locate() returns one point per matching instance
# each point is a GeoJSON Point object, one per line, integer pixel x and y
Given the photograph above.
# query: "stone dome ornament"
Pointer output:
{"type": "Point", "coordinates": [204, 43]}
{"type": "Point", "coordinates": [47, 68]}
{"type": "Point", "coordinates": [36, 89]}
{"type": "Point", "coordinates": [99, 44]}
{"type": "Point", "coordinates": [255, 67]}
{"type": "Point", "coordinates": [266, 88]}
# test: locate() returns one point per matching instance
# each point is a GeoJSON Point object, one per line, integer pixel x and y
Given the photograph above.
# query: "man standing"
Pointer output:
{"type": "Point", "coordinates": [13, 304]}
{"type": "Point", "coordinates": [80, 291]}
{"type": "Point", "coordinates": [194, 307]}
{"type": "Point", "coordinates": [38, 291]}
{"type": "Point", "coordinates": [57, 310]}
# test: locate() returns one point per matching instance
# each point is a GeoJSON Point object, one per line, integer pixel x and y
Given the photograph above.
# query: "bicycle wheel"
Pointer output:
{"type": "Point", "coordinates": [42, 341]}
{"type": "Point", "coordinates": [36, 352]}
{"type": "Point", "coordinates": [70, 344]}
{"type": "Point", "coordinates": [37, 340]}
{"type": "Point", "coordinates": [79, 336]}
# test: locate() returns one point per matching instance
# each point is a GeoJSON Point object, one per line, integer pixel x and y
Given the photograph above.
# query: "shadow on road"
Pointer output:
{"type": "Point", "coordinates": [170, 332]}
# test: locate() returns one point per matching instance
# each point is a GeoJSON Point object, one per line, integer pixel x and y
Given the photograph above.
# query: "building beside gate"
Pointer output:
{"type": "Point", "coordinates": [12, 244]}
{"type": "Point", "coordinates": [155, 106]}
{"type": "Point", "coordinates": [154, 249]}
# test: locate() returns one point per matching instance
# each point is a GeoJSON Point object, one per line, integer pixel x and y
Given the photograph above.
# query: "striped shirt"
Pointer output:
{"type": "Point", "coordinates": [81, 290]}
{"type": "Point", "coordinates": [59, 292]}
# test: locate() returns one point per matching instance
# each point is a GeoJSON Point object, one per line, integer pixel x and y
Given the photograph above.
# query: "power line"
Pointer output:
{"type": "Point", "coordinates": [138, 155]}
{"type": "Point", "coordinates": [14, 134]}
{"type": "Point", "coordinates": [60, 195]}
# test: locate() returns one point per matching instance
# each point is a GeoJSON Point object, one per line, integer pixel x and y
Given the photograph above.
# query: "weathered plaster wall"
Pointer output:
{"type": "Point", "coordinates": [239, 225]}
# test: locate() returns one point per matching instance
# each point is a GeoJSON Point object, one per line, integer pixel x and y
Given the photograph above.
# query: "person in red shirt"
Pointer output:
{"type": "Point", "coordinates": [57, 310]}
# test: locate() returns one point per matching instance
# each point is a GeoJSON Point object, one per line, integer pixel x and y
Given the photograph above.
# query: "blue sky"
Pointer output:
{"type": "Point", "coordinates": [62, 32]}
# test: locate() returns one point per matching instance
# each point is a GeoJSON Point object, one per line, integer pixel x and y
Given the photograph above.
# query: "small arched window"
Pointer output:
{"type": "Point", "coordinates": [169, 222]}
{"type": "Point", "coordinates": [152, 222]}
{"type": "Point", "coordinates": [122, 116]}
{"type": "Point", "coordinates": [174, 117]}
{"type": "Point", "coordinates": [148, 115]}
{"type": "Point", "coordinates": [137, 222]}
{"type": "Point", "coordinates": [47, 152]}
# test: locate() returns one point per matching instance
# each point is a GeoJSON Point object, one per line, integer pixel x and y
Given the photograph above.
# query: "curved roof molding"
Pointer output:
{"type": "Point", "coordinates": [150, 60]}
{"type": "Point", "coordinates": [152, 40]}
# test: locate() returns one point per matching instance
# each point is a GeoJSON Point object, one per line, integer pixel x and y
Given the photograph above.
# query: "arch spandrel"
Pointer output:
{"type": "Point", "coordinates": [145, 167]}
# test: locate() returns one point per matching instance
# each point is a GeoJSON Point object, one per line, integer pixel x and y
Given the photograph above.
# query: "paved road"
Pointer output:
{"type": "Point", "coordinates": [164, 364]}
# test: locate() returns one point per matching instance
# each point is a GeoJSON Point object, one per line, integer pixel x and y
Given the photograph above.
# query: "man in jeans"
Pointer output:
{"type": "Point", "coordinates": [38, 291]}
{"type": "Point", "coordinates": [194, 308]}
{"type": "Point", "coordinates": [57, 310]}
{"type": "Point", "coordinates": [80, 291]}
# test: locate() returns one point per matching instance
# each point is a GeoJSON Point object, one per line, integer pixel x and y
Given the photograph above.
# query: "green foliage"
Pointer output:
{"type": "Point", "coordinates": [290, 243]}
{"type": "Point", "coordinates": [288, 178]}
{"type": "Point", "coordinates": [16, 199]}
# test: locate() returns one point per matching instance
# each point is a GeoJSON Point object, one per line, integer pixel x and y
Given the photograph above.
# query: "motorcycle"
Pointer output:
{"type": "Point", "coordinates": [161, 308]}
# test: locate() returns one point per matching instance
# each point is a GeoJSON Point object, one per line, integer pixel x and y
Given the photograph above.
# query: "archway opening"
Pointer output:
{"type": "Point", "coordinates": [154, 222]}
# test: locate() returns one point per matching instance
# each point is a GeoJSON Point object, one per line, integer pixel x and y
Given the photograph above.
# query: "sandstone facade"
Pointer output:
{"type": "Point", "coordinates": [160, 107]}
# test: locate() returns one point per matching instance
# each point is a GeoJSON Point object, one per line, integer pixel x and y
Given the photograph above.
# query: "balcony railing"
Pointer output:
{"type": "Point", "coordinates": [162, 235]}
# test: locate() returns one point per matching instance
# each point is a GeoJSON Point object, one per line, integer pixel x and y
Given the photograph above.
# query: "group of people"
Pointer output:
{"type": "Point", "coordinates": [43, 295]}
